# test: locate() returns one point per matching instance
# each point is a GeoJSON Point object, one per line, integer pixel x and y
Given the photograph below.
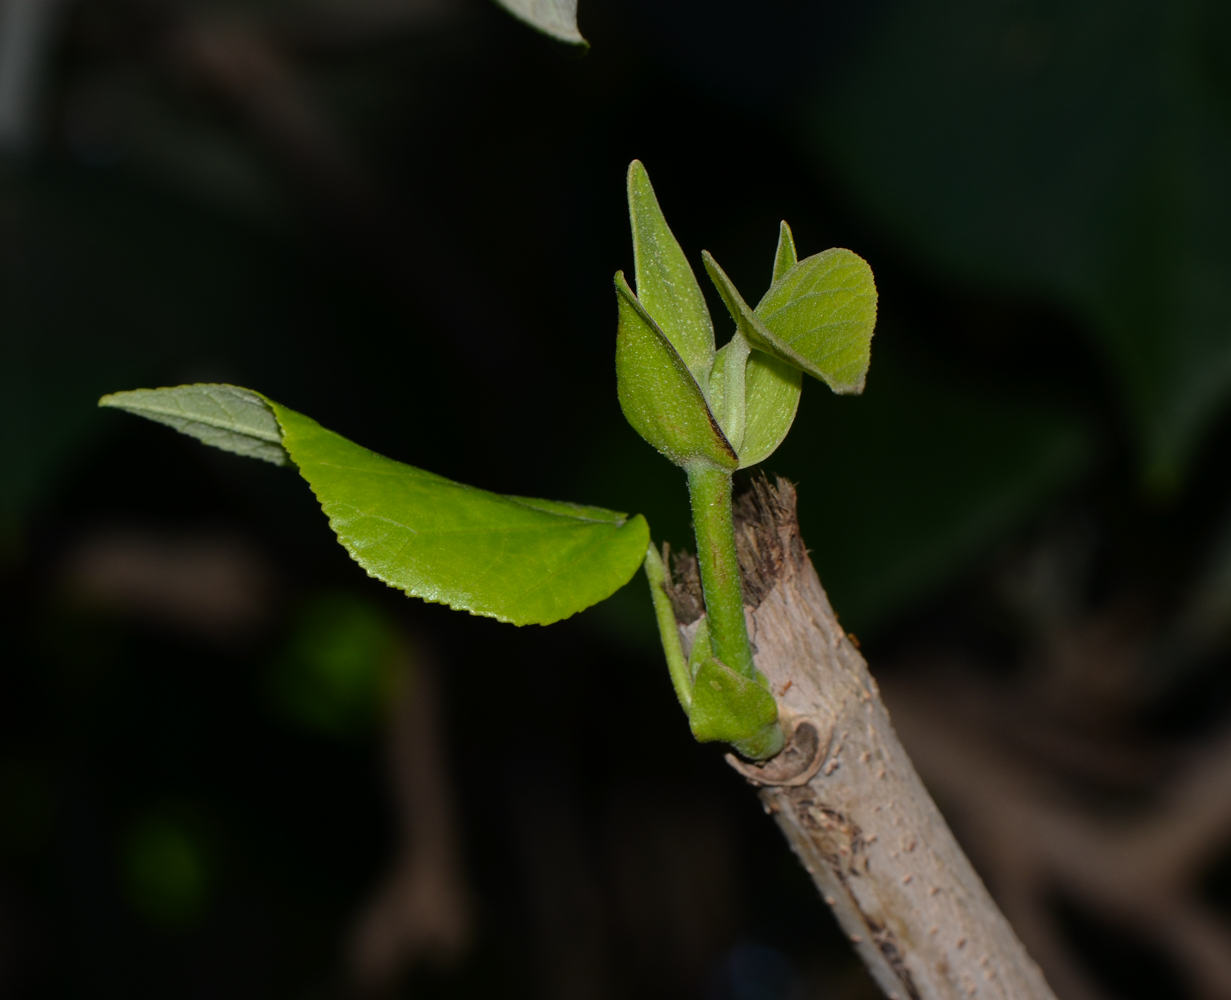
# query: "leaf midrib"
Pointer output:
{"type": "Point", "coordinates": [208, 422]}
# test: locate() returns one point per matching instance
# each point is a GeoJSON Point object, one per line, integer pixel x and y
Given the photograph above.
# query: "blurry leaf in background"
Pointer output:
{"type": "Point", "coordinates": [557, 18]}
{"type": "Point", "coordinates": [166, 867]}
{"type": "Point", "coordinates": [1079, 151]}
{"type": "Point", "coordinates": [340, 665]}
{"type": "Point", "coordinates": [907, 486]}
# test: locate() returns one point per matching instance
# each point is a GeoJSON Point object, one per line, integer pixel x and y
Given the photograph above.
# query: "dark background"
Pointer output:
{"type": "Point", "coordinates": [402, 218]}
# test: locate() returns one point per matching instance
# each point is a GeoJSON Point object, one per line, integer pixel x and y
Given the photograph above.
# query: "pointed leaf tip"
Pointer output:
{"type": "Point", "coordinates": [785, 257]}
{"type": "Point", "coordinates": [667, 288]}
{"type": "Point", "coordinates": [224, 416]}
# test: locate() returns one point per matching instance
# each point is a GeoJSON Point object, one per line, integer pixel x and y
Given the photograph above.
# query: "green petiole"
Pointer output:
{"type": "Point", "coordinates": [709, 490]}
{"type": "Point", "coordinates": [677, 666]}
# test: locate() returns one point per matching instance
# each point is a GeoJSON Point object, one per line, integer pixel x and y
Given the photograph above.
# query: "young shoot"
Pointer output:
{"type": "Point", "coordinates": [713, 411]}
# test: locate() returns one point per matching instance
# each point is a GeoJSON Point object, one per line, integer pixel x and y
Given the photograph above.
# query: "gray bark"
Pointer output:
{"type": "Point", "coordinates": [845, 793]}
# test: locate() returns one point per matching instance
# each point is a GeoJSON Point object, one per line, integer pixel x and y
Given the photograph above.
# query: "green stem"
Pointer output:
{"type": "Point", "coordinates": [710, 491]}
{"type": "Point", "coordinates": [668, 630]}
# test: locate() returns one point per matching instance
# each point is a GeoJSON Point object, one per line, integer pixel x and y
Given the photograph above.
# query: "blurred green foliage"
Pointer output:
{"type": "Point", "coordinates": [918, 478]}
{"type": "Point", "coordinates": [166, 868]}
{"type": "Point", "coordinates": [342, 661]}
{"type": "Point", "coordinates": [1073, 150]}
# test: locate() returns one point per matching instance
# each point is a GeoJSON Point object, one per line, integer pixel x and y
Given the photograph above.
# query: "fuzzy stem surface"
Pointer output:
{"type": "Point", "coordinates": [709, 490]}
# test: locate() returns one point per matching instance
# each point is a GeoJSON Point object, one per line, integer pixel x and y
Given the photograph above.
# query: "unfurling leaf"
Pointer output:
{"type": "Point", "coordinates": [557, 18]}
{"type": "Point", "coordinates": [658, 394]}
{"type": "Point", "coordinates": [735, 709]}
{"type": "Point", "coordinates": [771, 396]}
{"type": "Point", "coordinates": [785, 256]}
{"type": "Point", "coordinates": [666, 285]}
{"type": "Point", "coordinates": [818, 316]}
{"type": "Point", "coordinates": [224, 416]}
{"type": "Point", "coordinates": [518, 560]}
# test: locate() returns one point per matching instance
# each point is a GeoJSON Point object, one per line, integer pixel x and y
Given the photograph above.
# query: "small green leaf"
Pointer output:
{"type": "Point", "coordinates": [519, 560]}
{"type": "Point", "coordinates": [734, 709]}
{"type": "Point", "coordinates": [771, 398]}
{"type": "Point", "coordinates": [824, 309]}
{"type": "Point", "coordinates": [666, 286]}
{"type": "Point", "coordinates": [727, 389]}
{"type": "Point", "coordinates": [785, 257]}
{"type": "Point", "coordinates": [557, 18]}
{"type": "Point", "coordinates": [658, 395]}
{"type": "Point", "coordinates": [224, 416]}
{"type": "Point", "coordinates": [818, 316]}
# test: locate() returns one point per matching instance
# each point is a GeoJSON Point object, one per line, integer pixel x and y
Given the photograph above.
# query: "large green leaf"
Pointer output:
{"type": "Point", "coordinates": [557, 18]}
{"type": "Point", "coordinates": [519, 560]}
{"type": "Point", "coordinates": [1079, 151]}
{"type": "Point", "coordinates": [658, 394]}
{"type": "Point", "coordinates": [666, 285]}
{"type": "Point", "coordinates": [818, 316]}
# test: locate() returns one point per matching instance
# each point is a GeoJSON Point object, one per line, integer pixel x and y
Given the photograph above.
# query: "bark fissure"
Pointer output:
{"type": "Point", "coordinates": [846, 795]}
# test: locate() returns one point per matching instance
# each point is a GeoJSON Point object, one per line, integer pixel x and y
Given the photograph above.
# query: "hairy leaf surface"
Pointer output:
{"type": "Point", "coordinates": [666, 285]}
{"type": "Point", "coordinates": [658, 394]}
{"type": "Point", "coordinates": [732, 708]}
{"type": "Point", "coordinates": [785, 256]}
{"type": "Point", "coordinates": [818, 316]}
